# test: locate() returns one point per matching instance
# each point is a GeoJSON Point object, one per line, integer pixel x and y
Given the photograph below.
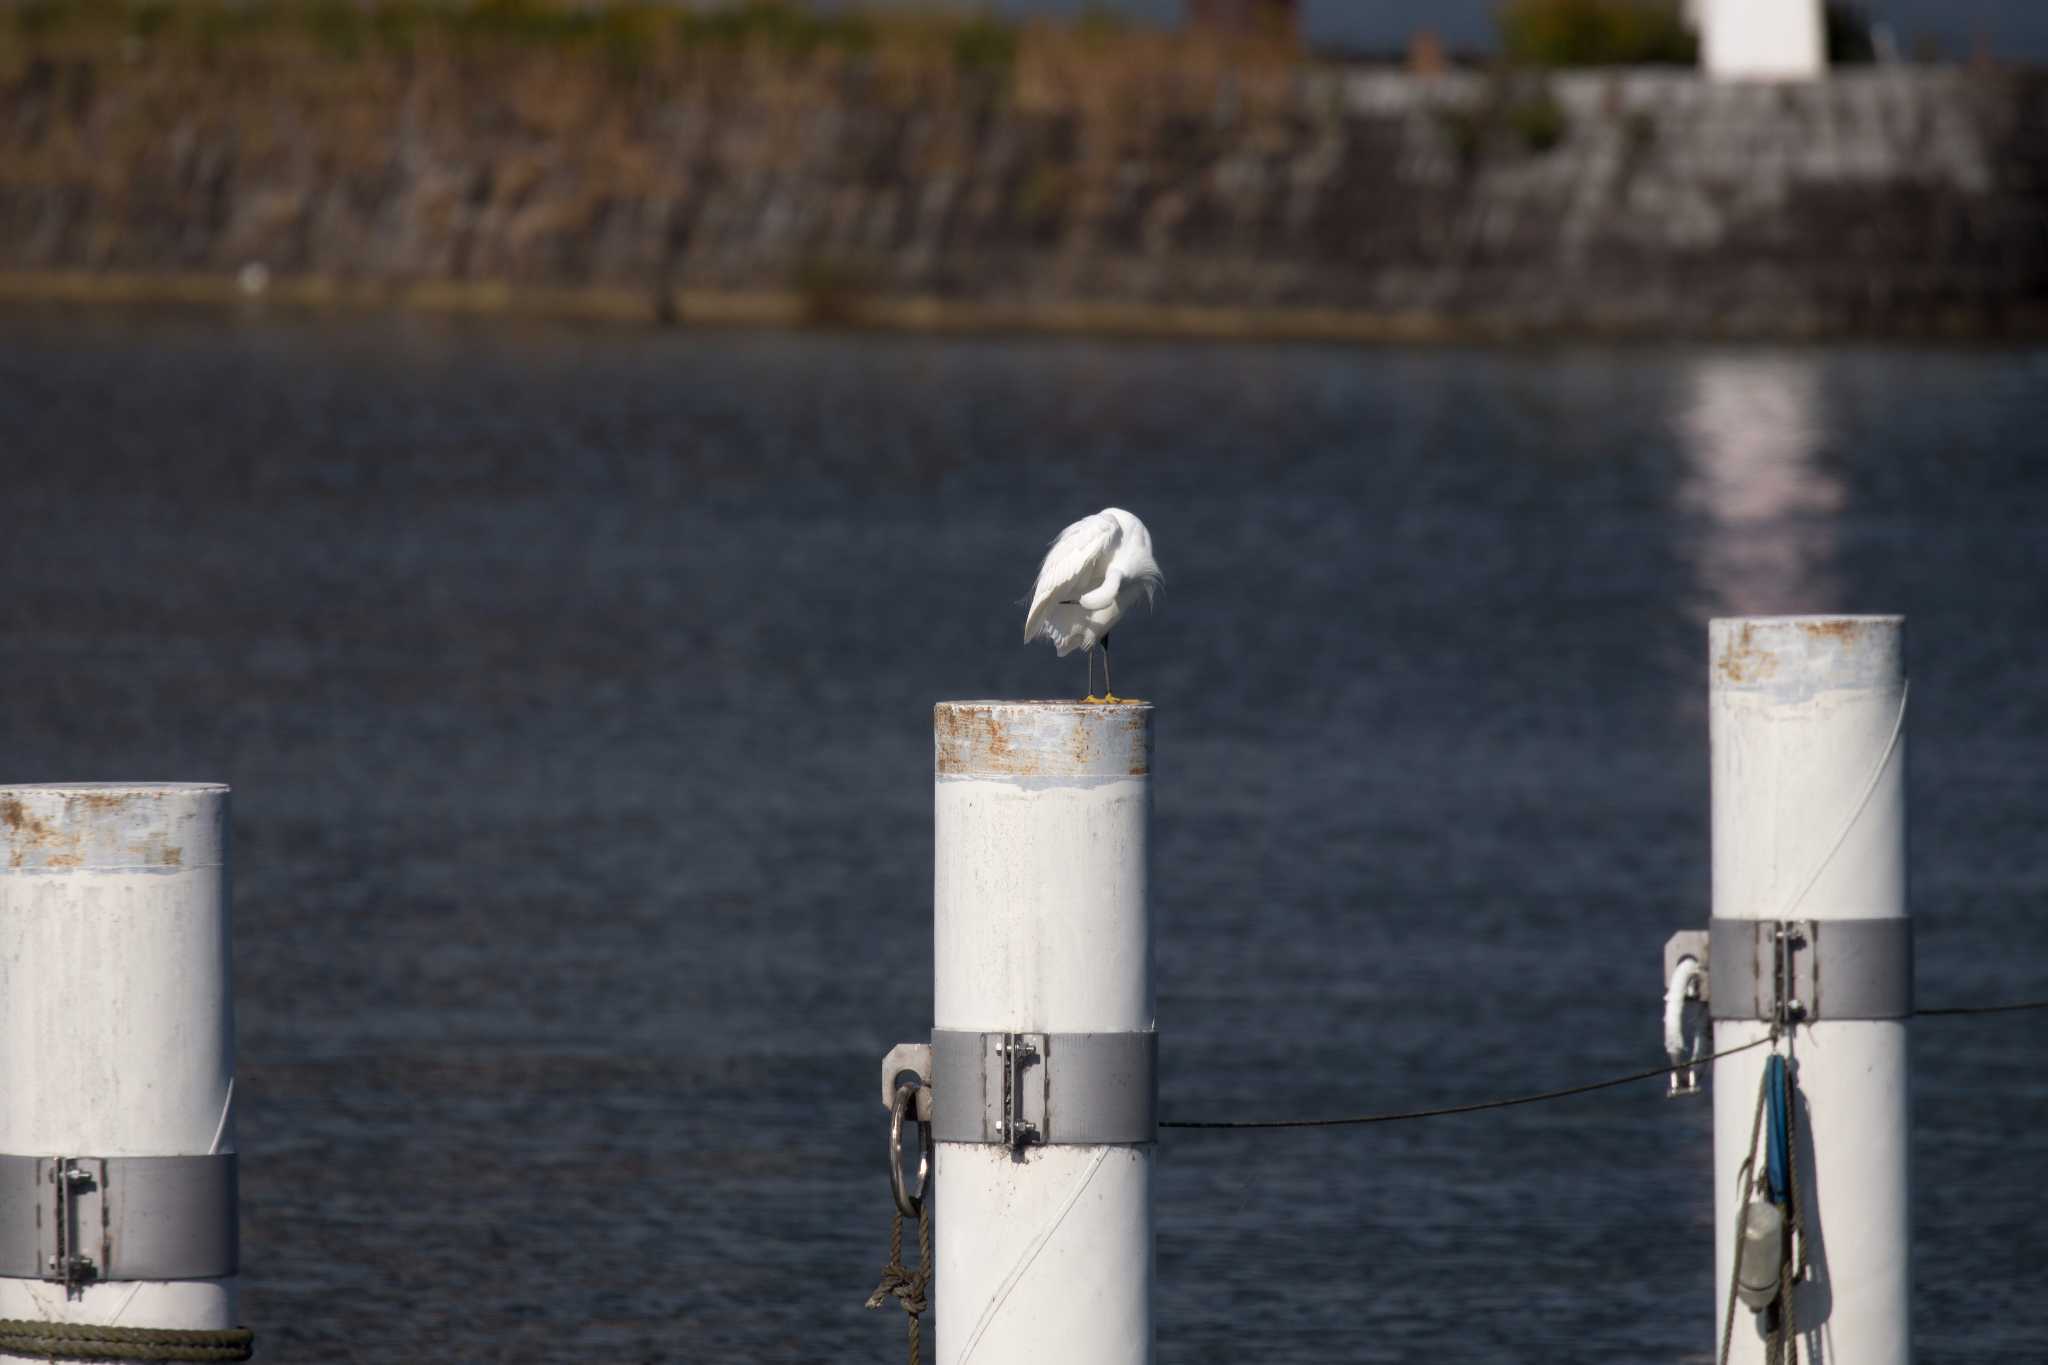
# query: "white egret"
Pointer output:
{"type": "Point", "coordinates": [1096, 571]}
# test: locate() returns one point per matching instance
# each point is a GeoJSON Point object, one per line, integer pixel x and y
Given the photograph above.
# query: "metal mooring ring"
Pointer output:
{"type": "Point", "coordinates": [907, 1203]}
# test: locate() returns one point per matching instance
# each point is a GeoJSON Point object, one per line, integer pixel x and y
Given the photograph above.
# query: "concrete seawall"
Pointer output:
{"type": "Point", "coordinates": [1326, 202]}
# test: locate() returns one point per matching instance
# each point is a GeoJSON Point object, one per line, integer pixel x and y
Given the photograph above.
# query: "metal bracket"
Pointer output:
{"type": "Point", "coordinates": [1685, 945]}
{"type": "Point", "coordinates": [79, 1220]}
{"type": "Point", "coordinates": [907, 1093]}
{"type": "Point", "coordinates": [1689, 943]}
{"type": "Point", "coordinates": [72, 1180]}
{"type": "Point", "coordinates": [913, 1060]}
{"type": "Point", "coordinates": [1030, 1089]}
{"type": "Point", "coordinates": [1022, 1113]}
{"type": "Point", "coordinates": [1802, 971]}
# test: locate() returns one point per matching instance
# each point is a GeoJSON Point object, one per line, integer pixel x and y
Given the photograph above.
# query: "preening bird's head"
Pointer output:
{"type": "Point", "coordinates": [1134, 554]}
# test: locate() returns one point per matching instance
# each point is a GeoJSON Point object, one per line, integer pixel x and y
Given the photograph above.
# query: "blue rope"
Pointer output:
{"type": "Point", "coordinates": [1777, 1157]}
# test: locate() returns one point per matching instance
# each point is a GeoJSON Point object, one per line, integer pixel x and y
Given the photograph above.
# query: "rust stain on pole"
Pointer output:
{"type": "Point", "coordinates": [1837, 628]}
{"type": "Point", "coordinates": [54, 828]}
{"type": "Point", "coordinates": [1041, 739]}
{"type": "Point", "coordinates": [1806, 655]}
{"type": "Point", "coordinates": [1742, 660]}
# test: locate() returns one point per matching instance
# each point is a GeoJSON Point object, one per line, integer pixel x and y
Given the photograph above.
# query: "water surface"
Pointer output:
{"type": "Point", "coordinates": [575, 688]}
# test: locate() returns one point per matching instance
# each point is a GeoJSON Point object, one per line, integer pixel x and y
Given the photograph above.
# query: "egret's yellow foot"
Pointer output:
{"type": "Point", "coordinates": [1091, 697]}
{"type": "Point", "coordinates": [1110, 697]}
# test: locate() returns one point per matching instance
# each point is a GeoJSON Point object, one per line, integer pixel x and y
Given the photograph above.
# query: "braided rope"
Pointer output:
{"type": "Point", "coordinates": [924, 1274]}
{"type": "Point", "coordinates": [96, 1341]}
{"type": "Point", "coordinates": [1474, 1108]}
{"type": "Point", "coordinates": [910, 1288]}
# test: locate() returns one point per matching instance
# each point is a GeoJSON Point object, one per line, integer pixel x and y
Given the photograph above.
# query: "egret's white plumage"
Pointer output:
{"type": "Point", "coordinates": [1098, 569]}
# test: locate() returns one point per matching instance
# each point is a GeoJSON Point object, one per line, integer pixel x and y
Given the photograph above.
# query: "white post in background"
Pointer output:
{"type": "Point", "coordinates": [1807, 725]}
{"type": "Point", "coordinates": [1761, 39]}
{"type": "Point", "coordinates": [1041, 926]}
{"type": "Point", "coordinates": [116, 1041]}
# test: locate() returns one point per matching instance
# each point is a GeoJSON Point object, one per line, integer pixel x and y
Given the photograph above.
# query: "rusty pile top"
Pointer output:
{"type": "Point", "coordinates": [112, 826]}
{"type": "Point", "coordinates": [1801, 655]}
{"type": "Point", "coordinates": [1028, 739]}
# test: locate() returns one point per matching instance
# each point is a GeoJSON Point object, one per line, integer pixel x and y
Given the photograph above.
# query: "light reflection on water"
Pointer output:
{"type": "Point", "coordinates": [1752, 433]}
{"type": "Point", "coordinates": [575, 686]}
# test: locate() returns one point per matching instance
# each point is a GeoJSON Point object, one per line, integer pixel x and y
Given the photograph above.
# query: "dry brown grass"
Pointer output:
{"type": "Point", "coordinates": [937, 52]}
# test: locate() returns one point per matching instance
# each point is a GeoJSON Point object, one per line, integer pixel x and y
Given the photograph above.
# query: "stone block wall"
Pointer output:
{"type": "Point", "coordinates": [1330, 200]}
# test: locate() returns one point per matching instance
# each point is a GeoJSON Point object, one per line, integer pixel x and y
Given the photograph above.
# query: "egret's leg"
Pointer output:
{"type": "Point", "coordinates": [1108, 692]}
{"type": "Point", "coordinates": [1091, 676]}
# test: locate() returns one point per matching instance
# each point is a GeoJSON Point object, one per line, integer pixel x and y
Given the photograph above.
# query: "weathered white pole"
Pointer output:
{"type": "Point", "coordinates": [1807, 719]}
{"type": "Point", "coordinates": [118, 1042]}
{"type": "Point", "coordinates": [1042, 930]}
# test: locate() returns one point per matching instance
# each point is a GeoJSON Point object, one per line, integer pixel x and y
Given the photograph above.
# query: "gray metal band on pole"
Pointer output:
{"type": "Point", "coordinates": [1045, 1088]}
{"type": "Point", "coordinates": [1839, 968]}
{"type": "Point", "coordinates": [81, 1218]}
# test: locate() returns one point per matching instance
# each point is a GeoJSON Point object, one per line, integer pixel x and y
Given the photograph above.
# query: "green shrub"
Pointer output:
{"type": "Point", "coordinates": [1508, 118]}
{"type": "Point", "coordinates": [1595, 32]}
{"type": "Point", "coordinates": [985, 45]}
{"type": "Point", "coordinates": [39, 18]}
{"type": "Point", "coordinates": [337, 26]}
{"type": "Point", "coordinates": [533, 21]}
{"type": "Point", "coordinates": [778, 26]}
{"type": "Point", "coordinates": [149, 19]}
{"type": "Point", "coordinates": [1539, 121]}
{"type": "Point", "coordinates": [1099, 24]}
{"type": "Point", "coordinates": [219, 22]}
{"type": "Point", "coordinates": [397, 23]}
{"type": "Point", "coordinates": [629, 34]}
